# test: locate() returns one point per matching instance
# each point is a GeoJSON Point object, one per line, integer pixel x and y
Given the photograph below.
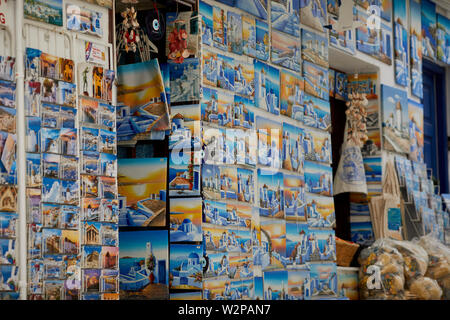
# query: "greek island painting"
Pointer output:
{"type": "Point", "coordinates": [285, 51]}
{"type": "Point", "coordinates": [185, 219]}
{"type": "Point", "coordinates": [144, 265]}
{"type": "Point", "coordinates": [429, 29]}
{"type": "Point", "coordinates": [400, 43]}
{"type": "Point", "coordinates": [142, 188]}
{"type": "Point", "coordinates": [443, 39]}
{"type": "Point", "coordinates": [320, 211]}
{"type": "Point", "coordinates": [141, 91]}
{"type": "Point", "coordinates": [415, 33]}
{"type": "Point", "coordinates": [313, 13]}
{"type": "Point", "coordinates": [416, 133]}
{"type": "Point", "coordinates": [292, 90]}
{"type": "Point", "coordinates": [383, 8]}
{"type": "Point", "coordinates": [48, 11]}
{"type": "Point", "coordinates": [185, 266]}
{"type": "Point", "coordinates": [395, 119]}
{"type": "Point", "coordinates": [285, 16]}
{"type": "Point", "coordinates": [258, 8]}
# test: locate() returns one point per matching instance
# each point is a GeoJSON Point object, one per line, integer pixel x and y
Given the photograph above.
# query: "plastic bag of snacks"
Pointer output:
{"type": "Point", "coordinates": [415, 258]}
{"type": "Point", "coordinates": [439, 262]}
{"type": "Point", "coordinates": [424, 288]}
{"type": "Point", "coordinates": [381, 274]}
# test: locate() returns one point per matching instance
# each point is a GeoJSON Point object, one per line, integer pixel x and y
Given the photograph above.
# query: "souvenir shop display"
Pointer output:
{"type": "Point", "coordinates": [192, 159]}
{"type": "Point", "coordinates": [415, 40]}
{"type": "Point", "coordinates": [9, 280]}
{"type": "Point", "coordinates": [73, 233]}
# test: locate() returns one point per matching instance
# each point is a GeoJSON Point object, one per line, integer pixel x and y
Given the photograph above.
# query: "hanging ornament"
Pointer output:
{"type": "Point", "coordinates": [131, 38]}
{"type": "Point", "coordinates": [178, 50]}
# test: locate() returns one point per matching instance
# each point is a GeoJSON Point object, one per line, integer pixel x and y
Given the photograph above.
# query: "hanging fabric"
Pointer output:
{"type": "Point", "coordinates": [350, 175]}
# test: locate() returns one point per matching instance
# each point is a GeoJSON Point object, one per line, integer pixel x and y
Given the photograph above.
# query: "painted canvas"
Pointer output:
{"type": "Point", "coordinates": [317, 145]}
{"type": "Point", "coordinates": [292, 90]}
{"type": "Point", "coordinates": [258, 8]}
{"type": "Point", "coordinates": [443, 39]}
{"type": "Point", "coordinates": [246, 185]}
{"type": "Point", "coordinates": [333, 7]}
{"type": "Point", "coordinates": [344, 40]}
{"type": "Point", "coordinates": [316, 80]}
{"type": "Point", "coordinates": [299, 284]}
{"type": "Point", "coordinates": [185, 219]}
{"type": "Point", "coordinates": [313, 13]}
{"type": "Point", "coordinates": [416, 133]}
{"type": "Point", "coordinates": [317, 113]}
{"type": "Point", "coordinates": [321, 245]}
{"type": "Point", "coordinates": [243, 117]}
{"type": "Point", "coordinates": [184, 174]}
{"type": "Point", "coordinates": [270, 188]}
{"type": "Point", "coordinates": [273, 243]}
{"type": "Point", "coordinates": [205, 10]}
{"type": "Point", "coordinates": [262, 40]}
{"type": "Point", "coordinates": [220, 28]}
{"type": "Point", "coordinates": [285, 16]}
{"type": "Point", "coordinates": [185, 271]}
{"type": "Point", "coordinates": [234, 40]}
{"type": "Point", "coordinates": [363, 83]}
{"type": "Point", "coordinates": [348, 282]}
{"type": "Point", "coordinates": [331, 82]}
{"type": "Point", "coordinates": [142, 184]}
{"type": "Point", "coordinates": [185, 81]}
{"type": "Point", "coordinates": [267, 87]}
{"type": "Point", "coordinates": [190, 295]}
{"type": "Point", "coordinates": [294, 197]}
{"type": "Point", "coordinates": [367, 39]}
{"type": "Point", "coordinates": [275, 285]}
{"type": "Point", "coordinates": [401, 57]}
{"type": "Point", "coordinates": [318, 178]}
{"type": "Point", "coordinates": [297, 242]}
{"type": "Point", "coordinates": [285, 51]}
{"type": "Point", "coordinates": [292, 155]}
{"type": "Point", "coordinates": [382, 8]}
{"type": "Point", "coordinates": [341, 86]}
{"type": "Point", "coordinates": [372, 146]}
{"type": "Point", "coordinates": [249, 36]}
{"type": "Point", "coordinates": [373, 169]}
{"type": "Point", "coordinates": [215, 238]}
{"type": "Point", "coordinates": [428, 29]}
{"type": "Point", "coordinates": [185, 131]}
{"type": "Point", "coordinates": [415, 33]}
{"type": "Point", "coordinates": [48, 11]}
{"type": "Point", "coordinates": [269, 142]}
{"type": "Point", "coordinates": [323, 280]}
{"type": "Point", "coordinates": [395, 119]}
{"type": "Point", "coordinates": [315, 48]}
{"type": "Point", "coordinates": [141, 91]}
{"type": "Point", "coordinates": [320, 211]}
{"type": "Point", "coordinates": [144, 265]}
{"type": "Point", "coordinates": [214, 289]}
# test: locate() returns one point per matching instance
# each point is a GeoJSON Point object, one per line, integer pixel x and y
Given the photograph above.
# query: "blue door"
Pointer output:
{"type": "Point", "coordinates": [162, 271]}
{"type": "Point", "coordinates": [429, 122]}
{"type": "Point", "coordinates": [435, 123]}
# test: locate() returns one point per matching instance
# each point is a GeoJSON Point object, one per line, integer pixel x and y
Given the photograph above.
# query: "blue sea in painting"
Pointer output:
{"type": "Point", "coordinates": [257, 8]}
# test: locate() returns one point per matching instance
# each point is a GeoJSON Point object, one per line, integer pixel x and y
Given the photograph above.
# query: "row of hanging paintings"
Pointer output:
{"type": "Point", "coordinates": [258, 221]}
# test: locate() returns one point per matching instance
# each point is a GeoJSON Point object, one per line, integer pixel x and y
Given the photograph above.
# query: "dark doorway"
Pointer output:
{"type": "Point", "coordinates": [435, 123]}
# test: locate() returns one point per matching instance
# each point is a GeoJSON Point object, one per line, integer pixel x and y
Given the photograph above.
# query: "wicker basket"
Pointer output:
{"type": "Point", "coordinates": [345, 250]}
